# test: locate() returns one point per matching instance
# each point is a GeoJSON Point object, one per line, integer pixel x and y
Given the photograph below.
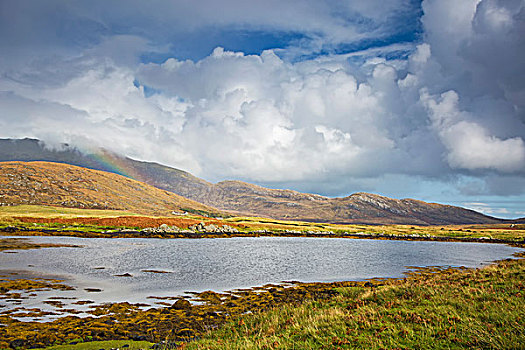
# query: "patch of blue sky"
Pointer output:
{"type": "Point", "coordinates": [366, 44]}
{"type": "Point", "coordinates": [200, 44]}
{"type": "Point", "coordinates": [148, 90]}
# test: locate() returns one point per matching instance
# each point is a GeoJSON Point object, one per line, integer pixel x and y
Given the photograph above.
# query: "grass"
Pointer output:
{"type": "Point", "coordinates": [9, 215]}
{"type": "Point", "coordinates": [43, 211]}
{"type": "Point", "coordinates": [108, 344]}
{"type": "Point", "coordinates": [448, 309]}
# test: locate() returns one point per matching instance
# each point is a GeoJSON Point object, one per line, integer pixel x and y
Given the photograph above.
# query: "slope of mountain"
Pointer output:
{"type": "Point", "coordinates": [356, 208]}
{"type": "Point", "coordinates": [249, 199]}
{"type": "Point", "coordinates": [171, 179]}
{"type": "Point", "coordinates": [67, 185]}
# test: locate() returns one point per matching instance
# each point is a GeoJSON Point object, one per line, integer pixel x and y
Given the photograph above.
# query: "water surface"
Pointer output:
{"type": "Point", "coordinates": [229, 263]}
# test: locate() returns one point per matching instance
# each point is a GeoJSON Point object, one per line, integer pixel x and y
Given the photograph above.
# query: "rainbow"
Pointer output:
{"type": "Point", "coordinates": [110, 162]}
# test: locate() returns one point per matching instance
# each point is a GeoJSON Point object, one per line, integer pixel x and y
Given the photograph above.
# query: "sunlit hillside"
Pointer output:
{"type": "Point", "coordinates": [70, 186]}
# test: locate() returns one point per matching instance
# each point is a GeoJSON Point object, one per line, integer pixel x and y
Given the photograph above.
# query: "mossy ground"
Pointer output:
{"type": "Point", "coordinates": [21, 243]}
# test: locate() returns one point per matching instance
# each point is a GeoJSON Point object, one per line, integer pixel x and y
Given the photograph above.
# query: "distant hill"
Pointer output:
{"type": "Point", "coordinates": [245, 198]}
{"type": "Point", "coordinates": [356, 208]}
{"type": "Point", "coordinates": [46, 183]}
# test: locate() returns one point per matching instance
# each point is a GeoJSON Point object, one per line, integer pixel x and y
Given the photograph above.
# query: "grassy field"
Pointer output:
{"type": "Point", "coordinates": [108, 344]}
{"type": "Point", "coordinates": [502, 231]}
{"type": "Point", "coordinates": [96, 221]}
{"type": "Point", "coordinates": [42, 211]}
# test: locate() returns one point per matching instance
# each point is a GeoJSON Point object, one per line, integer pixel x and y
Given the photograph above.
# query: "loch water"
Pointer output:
{"type": "Point", "coordinates": [222, 264]}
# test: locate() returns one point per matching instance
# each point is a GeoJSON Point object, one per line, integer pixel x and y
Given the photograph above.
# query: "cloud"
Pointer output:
{"type": "Point", "coordinates": [486, 209]}
{"type": "Point", "coordinates": [187, 26]}
{"type": "Point", "coordinates": [446, 107]}
{"type": "Point", "coordinates": [469, 145]}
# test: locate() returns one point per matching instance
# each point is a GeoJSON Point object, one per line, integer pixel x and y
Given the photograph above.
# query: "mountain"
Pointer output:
{"type": "Point", "coordinates": [57, 184]}
{"type": "Point", "coordinates": [247, 199]}
{"type": "Point", "coordinates": [356, 208]}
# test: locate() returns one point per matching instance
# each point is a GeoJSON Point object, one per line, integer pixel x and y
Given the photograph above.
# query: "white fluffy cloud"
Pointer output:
{"type": "Point", "coordinates": [453, 107]}
{"type": "Point", "coordinates": [470, 145]}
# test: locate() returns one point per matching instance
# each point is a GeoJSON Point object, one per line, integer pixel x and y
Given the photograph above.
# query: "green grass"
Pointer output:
{"type": "Point", "coordinates": [49, 211]}
{"type": "Point", "coordinates": [478, 309]}
{"type": "Point", "coordinates": [109, 344]}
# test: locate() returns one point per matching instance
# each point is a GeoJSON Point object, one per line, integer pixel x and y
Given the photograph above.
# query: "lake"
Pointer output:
{"type": "Point", "coordinates": [227, 263]}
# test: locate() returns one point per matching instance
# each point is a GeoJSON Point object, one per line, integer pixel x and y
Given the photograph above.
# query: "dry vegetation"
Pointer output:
{"type": "Point", "coordinates": [122, 221]}
{"type": "Point", "coordinates": [56, 184]}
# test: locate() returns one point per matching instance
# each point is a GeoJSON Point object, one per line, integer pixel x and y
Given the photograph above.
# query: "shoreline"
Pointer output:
{"type": "Point", "coordinates": [190, 318]}
{"type": "Point", "coordinates": [197, 235]}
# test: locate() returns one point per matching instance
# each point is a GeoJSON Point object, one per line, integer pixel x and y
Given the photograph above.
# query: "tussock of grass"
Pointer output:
{"type": "Point", "coordinates": [450, 309]}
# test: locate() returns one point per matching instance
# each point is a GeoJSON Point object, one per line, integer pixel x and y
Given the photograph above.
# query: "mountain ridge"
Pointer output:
{"type": "Point", "coordinates": [248, 199]}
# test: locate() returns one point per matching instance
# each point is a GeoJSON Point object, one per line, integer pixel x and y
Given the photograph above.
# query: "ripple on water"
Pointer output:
{"type": "Point", "coordinates": [133, 269]}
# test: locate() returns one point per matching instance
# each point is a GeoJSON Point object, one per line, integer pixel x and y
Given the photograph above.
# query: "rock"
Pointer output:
{"type": "Point", "coordinates": [124, 275]}
{"type": "Point", "coordinates": [164, 228]}
{"type": "Point", "coordinates": [156, 271]}
{"type": "Point", "coordinates": [165, 345]}
{"type": "Point", "coordinates": [200, 227]}
{"type": "Point", "coordinates": [181, 304]}
{"type": "Point", "coordinates": [228, 229]}
{"type": "Point", "coordinates": [210, 228]}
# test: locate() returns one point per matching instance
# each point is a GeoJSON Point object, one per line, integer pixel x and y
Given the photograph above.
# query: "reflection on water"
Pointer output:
{"type": "Point", "coordinates": [225, 264]}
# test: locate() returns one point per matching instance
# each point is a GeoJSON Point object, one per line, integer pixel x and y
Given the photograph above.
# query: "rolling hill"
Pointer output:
{"type": "Point", "coordinates": [65, 185]}
{"type": "Point", "coordinates": [247, 199]}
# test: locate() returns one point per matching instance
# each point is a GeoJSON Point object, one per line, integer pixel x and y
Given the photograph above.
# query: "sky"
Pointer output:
{"type": "Point", "coordinates": [404, 98]}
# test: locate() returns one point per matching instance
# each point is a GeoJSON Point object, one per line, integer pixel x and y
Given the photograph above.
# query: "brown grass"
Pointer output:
{"type": "Point", "coordinates": [56, 184]}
